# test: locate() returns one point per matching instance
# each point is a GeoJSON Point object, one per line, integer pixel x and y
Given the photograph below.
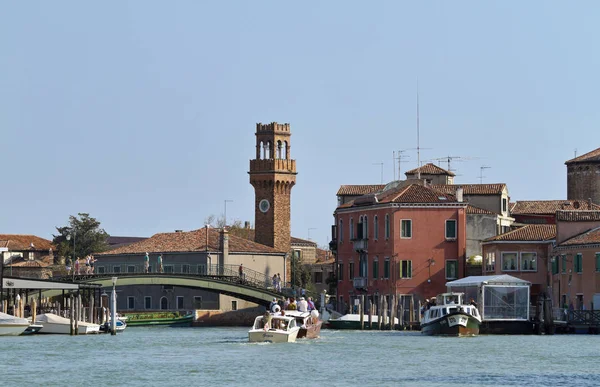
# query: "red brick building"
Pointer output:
{"type": "Point", "coordinates": [544, 211]}
{"type": "Point", "coordinates": [404, 239]}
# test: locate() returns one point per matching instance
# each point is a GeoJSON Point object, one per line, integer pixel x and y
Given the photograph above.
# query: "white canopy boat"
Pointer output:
{"type": "Point", "coordinates": [11, 325]}
{"type": "Point", "coordinates": [273, 329]}
{"type": "Point", "coordinates": [60, 325]}
{"type": "Point", "coordinates": [451, 317]}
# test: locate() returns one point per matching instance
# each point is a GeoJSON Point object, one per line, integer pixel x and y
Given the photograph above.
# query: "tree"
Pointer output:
{"type": "Point", "coordinates": [85, 237]}
{"type": "Point", "coordinates": [215, 222]}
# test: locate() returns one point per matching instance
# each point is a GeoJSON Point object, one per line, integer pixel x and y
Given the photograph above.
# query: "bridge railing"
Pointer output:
{"type": "Point", "coordinates": [225, 272]}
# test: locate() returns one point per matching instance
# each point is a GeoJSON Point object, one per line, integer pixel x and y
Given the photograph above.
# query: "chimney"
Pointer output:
{"type": "Point", "coordinates": [224, 257]}
{"type": "Point", "coordinates": [178, 230]}
{"type": "Point", "coordinates": [459, 194]}
{"type": "Point", "coordinates": [247, 225]}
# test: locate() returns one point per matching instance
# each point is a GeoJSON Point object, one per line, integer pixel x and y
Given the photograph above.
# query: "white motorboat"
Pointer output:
{"type": "Point", "coordinates": [273, 329]}
{"type": "Point", "coordinates": [121, 325]}
{"type": "Point", "coordinates": [309, 323]}
{"type": "Point", "coordinates": [11, 325]}
{"type": "Point", "coordinates": [60, 325]}
{"type": "Point", "coordinates": [450, 317]}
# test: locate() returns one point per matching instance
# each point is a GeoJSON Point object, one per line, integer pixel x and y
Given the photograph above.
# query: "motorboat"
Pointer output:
{"type": "Point", "coordinates": [309, 323]}
{"type": "Point", "coordinates": [271, 328]}
{"type": "Point", "coordinates": [352, 321]}
{"type": "Point", "coordinates": [449, 316]}
{"type": "Point", "coordinates": [32, 328]}
{"type": "Point", "coordinates": [120, 327]}
{"type": "Point", "coordinates": [11, 325]}
{"type": "Point", "coordinates": [56, 324]}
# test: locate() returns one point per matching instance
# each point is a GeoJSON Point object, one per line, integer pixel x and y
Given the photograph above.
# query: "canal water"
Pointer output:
{"type": "Point", "coordinates": [163, 356]}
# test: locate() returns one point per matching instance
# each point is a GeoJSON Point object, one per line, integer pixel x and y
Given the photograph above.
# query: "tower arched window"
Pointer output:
{"type": "Point", "coordinates": [279, 149]}
{"type": "Point", "coordinates": [286, 150]}
{"type": "Point", "coordinates": [375, 228]}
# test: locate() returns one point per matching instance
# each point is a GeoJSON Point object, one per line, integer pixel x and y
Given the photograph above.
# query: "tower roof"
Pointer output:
{"type": "Point", "coordinates": [593, 156]}
{"type": "Point", "coordinates": [429, 169]}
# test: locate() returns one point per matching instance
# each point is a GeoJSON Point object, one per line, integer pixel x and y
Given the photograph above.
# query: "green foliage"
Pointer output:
{"type": "Point", "coordinates": [215, 222]}
{"type": "Point", "coordinates": [86, 237]}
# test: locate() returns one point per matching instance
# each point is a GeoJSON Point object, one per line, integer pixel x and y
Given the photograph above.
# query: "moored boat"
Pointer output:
{"type": "Point", "coordinates": [450, 317]}
{"type": "Point", "coordinates": [56, 324]}
{"type": "Point", "coordinates": [309, 323]}
{"type": "Point", "coordinates": [11, 325]}
{"type": "Point", "coordinates": [120, 327]}
{"type": "Point", "coordinates": [352, 321]}
{"type": "Point", "coordinates": [275, 329]}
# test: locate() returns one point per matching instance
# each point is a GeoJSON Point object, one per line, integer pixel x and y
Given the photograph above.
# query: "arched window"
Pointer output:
{"type": "Point", "coordinates": [365, 227]}
{"type": "Point", "coordinates": [351, 229]}
{"type": "Point", "coordinates": [279, 149]}
{"type": "Point", "coordinates": [341, 231]}
{"type": "Point", "coordinates": [375, 228]}
{"type": "Point", "coordinates": [164, 303]}
{"type": "Point", "coordinates": [286, 150]}
{"type": "Point", "coordinates": [387, 226]}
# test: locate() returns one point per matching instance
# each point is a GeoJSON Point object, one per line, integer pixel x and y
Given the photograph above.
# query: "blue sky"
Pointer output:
{"type": "Point", "coordinates": [143, 113]}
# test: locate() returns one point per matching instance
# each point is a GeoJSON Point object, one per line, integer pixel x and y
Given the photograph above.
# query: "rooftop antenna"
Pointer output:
{"type": "Point", "coordinates": [381, 170]}
{"type": "Point", "coordinates": [449, 159]}
{"type": "Point", "coordinates": [575, 152]}
{"type": "Point", "coordinates": [481, 173]}
{"type": "Point", "coordinates": [399, 157]}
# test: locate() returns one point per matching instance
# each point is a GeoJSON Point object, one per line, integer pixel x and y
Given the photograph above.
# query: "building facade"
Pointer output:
{"type": "Point", "coordinates": [583, 177]}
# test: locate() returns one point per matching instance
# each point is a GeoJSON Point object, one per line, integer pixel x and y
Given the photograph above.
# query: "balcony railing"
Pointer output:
{"type": "Point", "coordinates": [360, 282]}
{"type": "Point", "coordinates": [360, 244]}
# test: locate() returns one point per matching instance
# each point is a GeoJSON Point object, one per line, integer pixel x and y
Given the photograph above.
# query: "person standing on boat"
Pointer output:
{"type": "Point", "coordinates": [311, 304]}
{"type": "Point", "coordinates": [278, 282]}
{"type": "Point", "coordinates": [302, 305]}
{"type": "Point", "coordinates": [160, 263]}
{"type": "Point", "coordinates": [146, 263]}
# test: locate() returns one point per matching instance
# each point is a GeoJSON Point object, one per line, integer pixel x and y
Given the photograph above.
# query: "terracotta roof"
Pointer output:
{"type": "Point", "coordinates": [23, 242]}
{"type": "Point", "coordinates": [530, 232]}
{"type": "Point", "coordinates": [476, 210]}
{"type": "Point", "coordinates": [415, 193]}
{"type": "Point", "coordinates": [549, 207]}
{"type": "Point", "coordinates": [587, 238]}
{"type": "Point", "coordinates": [593, 156]}
{"type": "Point", "coordinates": [248, 233]}
{"type": "Point", "coordinates": [471, 189]}
{"type": "Point", "coordinates": [355, 190]}
{"type": "Point", "coordinates": [324, 256]}
{"type": "Point", "coordinates": [578, 216]}
{"type": "Point", "coordinates": [44, 261]}
{"type": "Point", "coordinates": [190, 241]}
{"type": "Point", "coordinates": [429, 169]}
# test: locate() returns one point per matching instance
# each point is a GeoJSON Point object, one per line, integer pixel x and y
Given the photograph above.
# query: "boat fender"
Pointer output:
{"type": "Point", "coordinates": [276, 308]}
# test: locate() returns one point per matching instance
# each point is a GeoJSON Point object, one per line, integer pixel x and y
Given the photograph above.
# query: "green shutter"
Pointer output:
{"type": "Point", "coordinates": [578, 263]}
{"type": "Point", "coordinates": [564, 263]}
{"type": "Point", "coordinates": [409, 265]}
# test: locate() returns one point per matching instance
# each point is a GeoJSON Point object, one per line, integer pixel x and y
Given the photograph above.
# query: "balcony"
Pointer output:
{"type": "Point", "coordinates": [360, 282]}
{"type": "Point", "coordinates": [360, 245]}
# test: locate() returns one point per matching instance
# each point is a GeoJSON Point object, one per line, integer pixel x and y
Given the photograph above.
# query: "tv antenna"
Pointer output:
{"type": "Point", "coordinates": [381, 170]}
{"type": "Point", "coordinates": [399, 156]}
{"type": "Point", "coordinates": [481, 173]}
{"type": "Point", "coordinates": [449, 160]}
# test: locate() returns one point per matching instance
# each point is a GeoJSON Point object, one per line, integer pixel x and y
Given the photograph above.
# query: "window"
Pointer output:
{"type": "Point", "coordinates": [509, 262]}
{"type": "Point", "coordinates": [351, 236]}
{"type": "Point", "coordinates": [341, 231]}
{"type": "Point", "coordinates": [578, 265]}
{"type": "Point", "coordinates": [131, 269]}
{"type": "Point", "coordinates": [563, 259]}
{"type": "Point", "coordinates": [100, 270]}
{"type": "Point", "coordinates": [185, 269]}
{"type": "Point", "coordinates": [197, 302]}
{"type": "Point", "coordinates": [406, 228]}
{"type": "Point", "coordinates": [164, 303]}
{"type": "Point", "coordinates": [504, 205]}
{"type": "Point", "coordinates": [375, 268]}
{"type": "Point", "coordinates": [340, 272]}
{"type": "Point", "coordinates": [529, 261]}
{"type": "Point", "coordinates": [555, 263]}
{"type": "Point", "coordinates": [405, 269]}
{"type": "Point", "coordinates": [318, 277]}
{"type": "Point", "coordinates": [116, 269]}
{"type": "Point", "coordinates": [362, 266]}
{"type": "Point", "coordinates": [490, 262]}
{"type": "Point", "coordinates": [31, 256]}
{"type": "Point", "coordinates": [148, 302]}
{"type": "Point", "coordinates": [451, 269]}
{"type": "Point", "coordinates": [179, 302]}
{"type": "Point", "coordinates": [375, 228]}
{"type": "Point", "coordinates": [202, 269]}
{"type": "Point", "coordinates": [597, 261]}
{"type": "Point", "coordinates": [387, 226]}
{"type": "Point", "coordinates": [365, 227]}
{"type": "Point", "coordinates": [234, 305]}
{"type": "Point", "coordinates": [451, 229]}
{"type": "Point", "coordinates": [386, 268]}
{"type": "Point", "coordinates": [350, 270]}
{"type": "Point", "coordinates": [130, 302]}
{"type": "Point", "coordinates": [169, 269]}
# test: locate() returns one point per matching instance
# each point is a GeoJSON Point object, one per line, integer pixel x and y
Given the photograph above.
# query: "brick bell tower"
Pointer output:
{"type": "Point", "coordinates": [272, 174]}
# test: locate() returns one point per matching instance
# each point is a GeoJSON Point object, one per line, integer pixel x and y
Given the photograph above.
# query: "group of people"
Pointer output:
{"type": "Point", "coordinates": [277, 282]}
{"type": "Point", "coordinates": [159, 268]}
{"type": "Point", "coordinates": [290, 303]}
{"type": "Point", "coordinates": [81, 265]}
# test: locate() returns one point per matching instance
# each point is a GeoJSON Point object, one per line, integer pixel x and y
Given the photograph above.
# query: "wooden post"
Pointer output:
{"type": "Point", "coordinates": [92, 319]}
{"type": "Point", "coordinates": [361, 311]}
{"type": "Point", "coordinates": [411, 312]}
{"type": "Point", "coordinates": [394, 312]}
{"type": "Point", "coordinates": [401, 321]}
{"type": "Point", "coordinates": [33, 310]}
{"type": "Point", "coordinates": [72, 310]}
{"type": "Point", "coordinates": [76, 314]}
{"type": "Point", "coordinates": [379, 310]}
{"type": "Point", "coordinates": [370, 314]}
{"type": "Point", "coordinates": [385, 312]}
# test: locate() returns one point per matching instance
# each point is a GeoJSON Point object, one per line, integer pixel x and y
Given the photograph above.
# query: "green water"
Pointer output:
{"type": "Point", "coordinates": [164, 356]}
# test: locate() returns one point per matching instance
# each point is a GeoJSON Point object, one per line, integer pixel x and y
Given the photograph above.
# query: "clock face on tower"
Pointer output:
{"type": "Point", "coordinates": [264, 205]}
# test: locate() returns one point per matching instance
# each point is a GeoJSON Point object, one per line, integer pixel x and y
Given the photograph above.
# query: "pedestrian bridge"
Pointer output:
{"type": "Point", "coordinates": [250, 286]}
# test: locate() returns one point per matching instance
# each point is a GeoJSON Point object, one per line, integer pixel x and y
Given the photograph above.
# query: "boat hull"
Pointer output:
{"type": "Point", "coordinates": [272, 336]}
{"type": "Point", "coordinates": [32, 328]}
{"type": "Point", "coordinates": [53, 324]}
{"type": "Point", "coordinates": [454, 324]}
{"type": "Point", "coordinates": [352, 321]}
{"type": "Point", "coordinates": [12, 329]}
{"type": "Point", "coordinates": [176, 321]}
{"type": "Point", "coordinates": [311, 331]}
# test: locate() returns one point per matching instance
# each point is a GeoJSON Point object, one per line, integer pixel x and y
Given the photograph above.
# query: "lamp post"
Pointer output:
{"type": "Point", "coordinates": [113, 308]}
{"type": "Point", "coordinates": [74, 255]}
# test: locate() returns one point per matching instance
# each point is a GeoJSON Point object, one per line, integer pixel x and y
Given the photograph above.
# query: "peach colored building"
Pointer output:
{"type": "Point", "coordinates": [405, 239]}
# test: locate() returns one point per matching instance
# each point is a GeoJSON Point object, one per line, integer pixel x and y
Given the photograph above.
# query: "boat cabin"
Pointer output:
{"type": "Point", "coordinates": [283, 323]}
{"type": "Point", "coordinates": [448, 303]}
{"type": "Point", "coordinates": [449, 298]}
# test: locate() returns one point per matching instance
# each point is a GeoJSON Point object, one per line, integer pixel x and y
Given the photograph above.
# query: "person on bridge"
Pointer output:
{"type": "Point", "coordinates": [160, 263]}
{"type": "Point", "coordinates": [146, 263]}
{"type": "Point", "coordinates": [241, 272]}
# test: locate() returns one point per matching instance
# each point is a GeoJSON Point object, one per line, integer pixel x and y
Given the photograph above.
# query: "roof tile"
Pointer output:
{"type": "Point", "coordinates": [549, 207]}
{"type": "Point", "coordinates": [578, 216]}
{"type": "Point", "coordinates": [530, 232]}
{"type": "Point", "coordinates": [587, 238]}
{"type": "Point", "coordinates": [592, 156]}
{"type": "Point", "coordinates": [15, 242]}
{"type": "Point", "coordinates": [354, 190]}
{"type": "Point", "coordinates": [471, 189]}
{"type": "Point", "coordinates": [429, 169]}
{"type": "Point", "coordinates": [476, 210]}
